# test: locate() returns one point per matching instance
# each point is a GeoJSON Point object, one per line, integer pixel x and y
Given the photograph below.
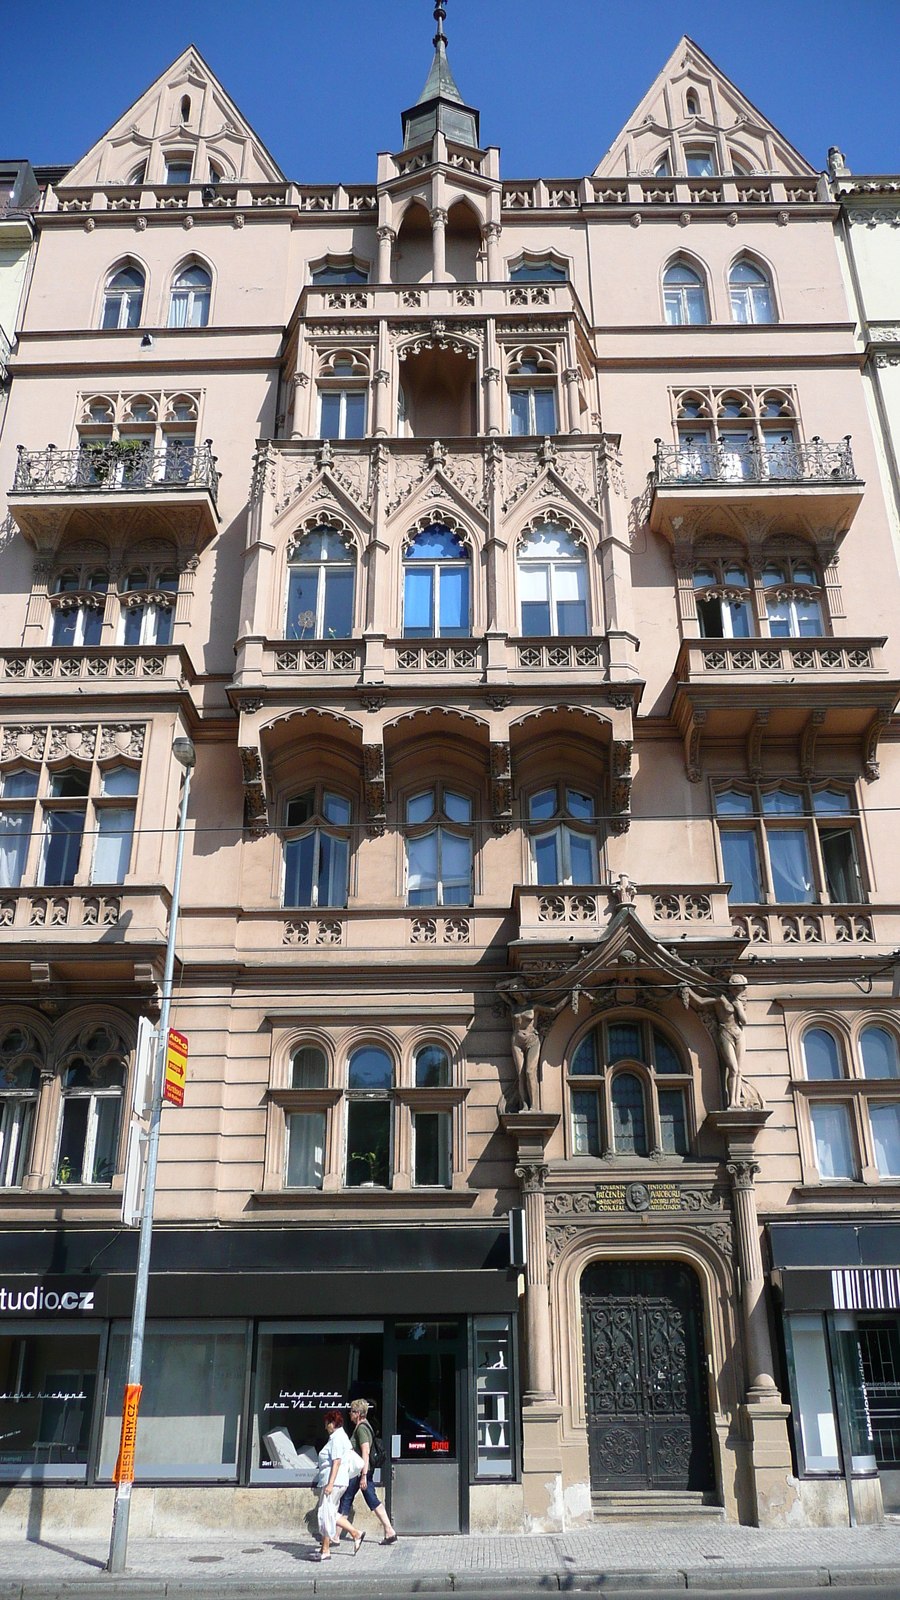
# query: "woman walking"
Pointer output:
{"type": "Point", "coordinates": [336, 1461]}
{"type": "Point", "coordinates": [362, 1441]}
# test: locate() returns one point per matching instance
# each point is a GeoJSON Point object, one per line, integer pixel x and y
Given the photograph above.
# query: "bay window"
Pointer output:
{"type": "Point", "coordinates": [18, 790]}
{"type": "Point", "coordinates": [78, 612]}
{"type": "Point", "coordinates": [724, 607]}
{"type": "Point", "coordinates": [321, 574]}
{"type": "Point", "coordinates": [115, 825]}
{"type": "Point", "coordinates": [148, 606]}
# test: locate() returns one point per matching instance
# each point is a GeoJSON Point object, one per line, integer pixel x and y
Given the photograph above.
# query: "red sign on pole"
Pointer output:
{"type": "Point", "coordinates": [176, 1068]}
{"type": "Point", "coordinates": [124, 1472]}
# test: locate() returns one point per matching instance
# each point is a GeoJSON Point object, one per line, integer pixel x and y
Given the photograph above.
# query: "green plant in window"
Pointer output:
{"type": "Point", "coordinates": [64, 1171]}
{"type": "Point", "coordinates": [375, 1161]}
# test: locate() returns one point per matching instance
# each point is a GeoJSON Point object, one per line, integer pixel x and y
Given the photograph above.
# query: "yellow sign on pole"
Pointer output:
{"type": "Point", "coordinates": [124, 1472]}
{"type": "Point", "coordinates": [176, 1068]}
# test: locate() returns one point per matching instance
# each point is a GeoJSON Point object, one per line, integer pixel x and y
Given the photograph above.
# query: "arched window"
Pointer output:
{"type": "Point", "coordinates": [552, 573]}
{"type": "Point", "coordinates": [692, 103]}
{"type": "Point", "coordinates": [306, 1129]}
{"type": "Point", "coordinates": [339, 272]}
{"type": "Point", "coordinates": [321, 571]}
{"type": "Point", "coordinates": [92, 1083]}
{"type": "Point", "coordinates": [436, 586]}
{"type": "Point", "coordinates": [792, 610]}
{"type": "Point", "coordinates": [878, 1049]}
{"type": "Point", "coordinates": [317, 848]}
{"type": "Point", "coordinates": [370, 1076]}
{"type": "Point", "coordinates": [563, 834]}
{"type": "Point", "coordinates": [538, 269]}
{"type": "Point", "coordinates": [21, 1059]}
{"type": "Point", "coordinates": [123, 299]}
{"type": "Point", "coordinates": [751, 294]}
{"type": "Point", "coordinates": [439, 848]}
{"type": "Point", "coordinates": [78, 610]}
{"type": "Point", "coordinates": [189, 305]}
{"type": "Point", "coordinates": [628, 1115]}
{"type": "Point", "coordinates": [641, 1114]}
{"type": "Point", "coordinates": [148, 608]}
{"type": "Point", "coordinates": [684, 295]}
{"type": "Point", "coordinates": [432, 1067]}
{"type": "Point", "coordinates": [821, 1055]}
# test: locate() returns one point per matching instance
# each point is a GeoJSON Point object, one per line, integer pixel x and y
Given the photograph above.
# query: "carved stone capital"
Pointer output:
{"type": "Point", "coordinates": [532, 1176]}
{"type": "Point", "coordinates": [743, 1173]}
{"type": "Point", "coordinates": [387, 233]}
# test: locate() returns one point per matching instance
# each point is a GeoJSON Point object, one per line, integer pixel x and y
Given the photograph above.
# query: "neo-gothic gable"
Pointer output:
{"type": "Point", "coordinates": [186, 112]}
{"type": "Point", "coordinates": [691, 104]}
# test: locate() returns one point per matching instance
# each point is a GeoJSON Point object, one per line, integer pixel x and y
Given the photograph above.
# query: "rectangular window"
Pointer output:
{"type": "Point", "coordinates": [884, 1116]}
{"type": "Point", "coordinates": [16, 1124]}
{"type": "Point", "coordinates": [571, 599]}
{"type": "Point", "coordinates": [368, 1144]}
{"type": "Point", "coordinates": [88, 1138]}
{"type": "Point", "coordinates": [112, 847]}
{"type": "Point", "coordinates": [15, 832]}
{"type": "Point", "coordinates": [519, 418]}
{"type": "Point", "coordinates": [193, 1391]}
{"type": "Point", "coordinates": [62, 847]}
{"type": "Point", "coordinates": [342, 414]}
{"type": "Point", "coordinates": [792, 879]}
{"type": "Point", "coordinates": [493, 1397]}
{"type": "Point", "coordinates": [302, 1370]}
{"type": "Point", "coordinates": [672, 1122]}
{"type": "Point", "coordinates": [546, 864]}
{"type": "Point", "coordinates": [338, 621]}
{"type": "Point", "coordinates": [818, 1427]}
{"type": "Point", "coordinates": [585, 1125]}
{"type": "Point", "coordinates": [532, 411]}
{"type": "Point", "coordinates": [432, 1147]}
{"type": "Point", "coordinates": [454, 601]}
{"type": "Point", "coordinates": [841, 867]}
{"type": "Point", "coordinates": [306, 1150]}
{"type": "Point", "coordinates": [534, 589]}
{"type": "Point", "coordinates": [832, 1138]}
{"type": "Point", "coordinates": [47, 1387]}
{"type": "Point", "coordinates": [418, 603]}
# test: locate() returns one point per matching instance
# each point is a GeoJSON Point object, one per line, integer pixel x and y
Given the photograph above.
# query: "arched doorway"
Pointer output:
{"type": "Point", "coordinates": [646, 1397]}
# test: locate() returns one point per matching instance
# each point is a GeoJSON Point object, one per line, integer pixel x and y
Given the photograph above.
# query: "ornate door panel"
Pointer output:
{"type": "Point", "coordinates": [645, 1380]}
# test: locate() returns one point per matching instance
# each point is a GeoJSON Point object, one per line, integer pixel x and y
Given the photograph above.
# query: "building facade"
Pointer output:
{"type": "Point", "coordinates": [515, 555]}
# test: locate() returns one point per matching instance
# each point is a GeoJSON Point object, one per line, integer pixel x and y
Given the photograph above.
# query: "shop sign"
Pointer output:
{"type": "Point", "coordinates": [866, 1288]}
{"type": "Point", "coordinates": [176, 1068]}
{"type": "Point", "coordinates": [37, 1299]}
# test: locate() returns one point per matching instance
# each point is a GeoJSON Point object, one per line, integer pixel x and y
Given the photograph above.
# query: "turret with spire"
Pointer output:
{"type": "Point", "coordinates": [440, 106]}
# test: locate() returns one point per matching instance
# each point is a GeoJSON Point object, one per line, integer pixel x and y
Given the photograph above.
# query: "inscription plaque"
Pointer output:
{"type": "Point", "coordinates": [638, 1197]}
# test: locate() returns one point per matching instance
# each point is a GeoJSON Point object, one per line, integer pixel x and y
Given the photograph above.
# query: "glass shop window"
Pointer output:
{"type": "Point", "coordinates": [303, 1370]}
{"type": "Point", "coordinates": [815, 1406]}
{"type": "Point", "coordinates": [47, 1387]}
{"type": "Point", "coordinates": [191, 1405]}
{"type": "Point", "coordinates": [426, 1390]}
{"type": "Point", "coordinates": [493, 1398]}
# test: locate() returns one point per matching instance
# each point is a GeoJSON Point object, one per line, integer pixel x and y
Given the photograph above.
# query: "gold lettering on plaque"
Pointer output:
{"type": "Point", "coordinates": [611, 1197]}
{"type": "Point", "coordinates": [664, 1197]}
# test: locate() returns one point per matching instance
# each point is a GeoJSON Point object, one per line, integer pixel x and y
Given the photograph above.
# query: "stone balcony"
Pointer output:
{"type": "Point", "coordinates": [42, 676]}
{"type": "Point", "coordinates": [83, 916]}
{"type": "Point", "coordinates": [438, 299]}
{"type": "Point", "coordinates": [814, 481]}
{"type": "Point", "coordinates": [805, 691]}
{"type": "Point", "coordinates": [109, 480]}
{"type": "Point", "coordinates": [420, 664]}
{"type": "Point", "coordinates": [550, 914]}
{"type": "Point", "coordinates": [864, 926]}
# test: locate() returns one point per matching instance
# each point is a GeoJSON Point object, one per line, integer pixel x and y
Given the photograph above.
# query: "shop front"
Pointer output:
{"type": "Point", "coordinates": [241, 1362]}
{"type": "Point", "coordinates": [839, 1287]}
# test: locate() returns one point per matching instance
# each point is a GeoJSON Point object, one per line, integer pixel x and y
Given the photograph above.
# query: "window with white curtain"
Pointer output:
{"type": "Point", "coordinates": [189, 303]}
{"type": "Point", "coordinates": [751, 293]}
{"type": "Point", "coordinates": [552, 576]}
{"type": "Point", "coordinates": [115, 825]}
{"type": "Point", "coordinates": [93, 1081]}
{"type": "Point", "coordinates": [858, 1135]}
{"type": "Point", "coordinates": [18, 791]}
{"type": "Point", "coordinates": [793, 845]}
{"type": "Point", "coordinates": [21, 1061]}
{"type": "Point", "coordinates": [833, 1139]}
{"type": "Point", "coordinates": [439, 848]}
{"type": "Point", "coordinates": [305, 1167]}
{"type": "Point", "coordinates": [123, 298]}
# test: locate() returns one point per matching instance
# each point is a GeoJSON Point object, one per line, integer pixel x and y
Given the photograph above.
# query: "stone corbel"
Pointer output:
{"type": "Point", "coordinates": [808, 741]}
{"type": "Point", "coordinates": [501, 785]}
{"type": "Point", "coordinates": [620, 779]}
{"type": "Point", "coordinates": [373, 757]}
{"type": "Point", "coordinates": [692, 737]}
{"type": "Point", "coordinates": [871, 769]}
{"type": "Point", "coordinates": [754, 744]}
{"type": "Point", "coordinates": [256, 815]}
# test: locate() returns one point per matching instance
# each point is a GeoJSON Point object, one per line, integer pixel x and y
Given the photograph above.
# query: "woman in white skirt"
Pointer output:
{"type": "Point", "coordinates": [337, 1463]}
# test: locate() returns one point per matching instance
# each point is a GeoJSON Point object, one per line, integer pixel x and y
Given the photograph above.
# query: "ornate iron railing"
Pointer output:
{"type": "Point", "coordinates": [119, 467]}
{"type": "Point", "coordinates": [721, 463]}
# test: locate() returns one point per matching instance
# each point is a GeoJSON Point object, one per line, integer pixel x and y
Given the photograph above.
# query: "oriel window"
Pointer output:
{"type": "Point", "coordinates": [321, 576]}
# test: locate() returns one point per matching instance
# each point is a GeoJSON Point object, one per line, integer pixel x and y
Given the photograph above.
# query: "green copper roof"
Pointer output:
{"type": "Point", "coordinates": [440, 81]}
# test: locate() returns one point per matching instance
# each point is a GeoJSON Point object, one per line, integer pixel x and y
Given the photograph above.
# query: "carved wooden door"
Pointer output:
{"type": "Point", "coordinates": [645, 1377]}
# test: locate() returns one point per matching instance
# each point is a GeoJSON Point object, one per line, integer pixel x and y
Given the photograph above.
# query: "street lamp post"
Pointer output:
{"type": "Point", "coordinates": [183, 751]}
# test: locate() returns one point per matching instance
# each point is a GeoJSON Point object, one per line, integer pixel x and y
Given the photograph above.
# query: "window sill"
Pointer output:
{"type": "Point", "coordinates": [350, 1199]}
{"type": "Point", "coordinates": [89, 1195]}
{"type": "Point", "coordinates": [846, 1188]}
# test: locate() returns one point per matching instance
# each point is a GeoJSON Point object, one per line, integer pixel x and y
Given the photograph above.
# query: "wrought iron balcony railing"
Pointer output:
{"type": "Point", "coordinates": [786, 462]}
{"type": "Point", "coordinates": [120, 467]}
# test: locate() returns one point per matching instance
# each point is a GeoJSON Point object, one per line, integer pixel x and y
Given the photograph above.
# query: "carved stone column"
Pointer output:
{"type": "Point", "coordinates": [386, 237]}
{"type": "Point", "coordinates": [570, 376]}
{"type": "Point", "coordinates": [439, 245]}
{"type": "Point", "coordinates": [491, 383]}
{"type": "Point", "coordinates": [491, 234]}
{"type": "Point", "coordinates": [765, 1415]}
{"type": "Point", "coordinates": [531, 1175]}
{"type": "Point", "coordinates": [382, 380]}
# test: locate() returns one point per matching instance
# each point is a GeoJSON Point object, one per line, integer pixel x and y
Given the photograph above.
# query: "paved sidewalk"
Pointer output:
{"type": "Point", "coordinates": [668, 1555]}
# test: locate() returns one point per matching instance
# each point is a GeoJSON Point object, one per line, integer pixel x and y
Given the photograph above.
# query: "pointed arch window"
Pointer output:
{"type": "Point", "coordinates": [123, 299]}
{"type": "Point", "coordinates": [189, 304]}
{"type": "Point", "coordinates": [436, 603]}
{"type": "Point", "coordinates": [321, 574]}
{"type": "Point", "coordinates": [92, 1084]}
{"type": "Point", "coordinates": [552, 573]}
{"type": "Point", "coordinates": [751, 293]}
{"type": "Point", "coordinates": [684, 295]}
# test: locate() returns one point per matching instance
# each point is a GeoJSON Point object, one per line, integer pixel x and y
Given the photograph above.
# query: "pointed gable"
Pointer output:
{"type": "Point", "coordinates": [187, 113]}
{"type": "Point", "coordinates": [692, 108]}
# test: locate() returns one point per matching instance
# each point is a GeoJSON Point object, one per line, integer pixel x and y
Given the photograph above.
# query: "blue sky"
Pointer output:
{"type": "Point", "coordinates": [323, 81]}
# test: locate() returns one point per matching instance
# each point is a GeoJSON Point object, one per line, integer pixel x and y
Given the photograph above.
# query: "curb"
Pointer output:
{"type": "Point", "coordinates": [717, 1580]}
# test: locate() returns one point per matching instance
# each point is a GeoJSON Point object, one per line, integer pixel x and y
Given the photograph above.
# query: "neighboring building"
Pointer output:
{"type": "Point", "coordinates": [484, 535]}
{"type": "Point", "coordinates": [19, 196]}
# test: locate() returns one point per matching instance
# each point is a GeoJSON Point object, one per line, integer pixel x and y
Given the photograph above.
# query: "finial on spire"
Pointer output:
{"type": "Point", "coordinates": [440, 17]}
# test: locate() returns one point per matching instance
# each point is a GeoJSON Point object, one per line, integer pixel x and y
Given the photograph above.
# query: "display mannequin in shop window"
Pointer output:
{"type": "Point", "coordinates": [362, 1440]}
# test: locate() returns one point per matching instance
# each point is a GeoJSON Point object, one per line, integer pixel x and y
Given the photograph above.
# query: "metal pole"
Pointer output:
{"type": "Point", "coordinates": [118, 1543]}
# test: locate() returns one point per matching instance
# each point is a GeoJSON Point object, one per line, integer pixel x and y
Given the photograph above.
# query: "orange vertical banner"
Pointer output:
{"type": "Point", "coordinates": [124, 1472]}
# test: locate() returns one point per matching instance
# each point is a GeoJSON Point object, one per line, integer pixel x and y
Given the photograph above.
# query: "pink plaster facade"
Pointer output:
{"type": "Point", "coordinates": [719, 618]}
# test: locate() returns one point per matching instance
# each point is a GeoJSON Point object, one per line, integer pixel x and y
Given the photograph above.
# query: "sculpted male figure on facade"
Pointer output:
{"type": "Point", "coordinates": [525, 1042]}
{"type": "Point", "coordinates": [729, 1019]}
